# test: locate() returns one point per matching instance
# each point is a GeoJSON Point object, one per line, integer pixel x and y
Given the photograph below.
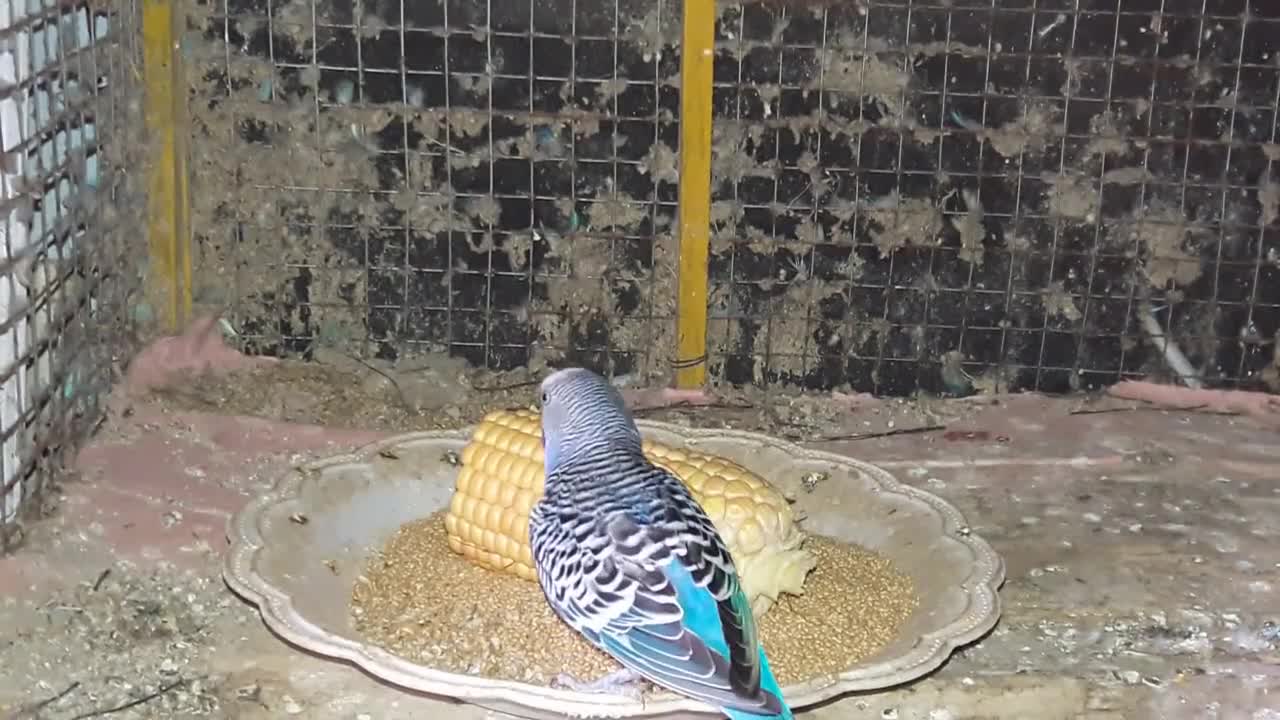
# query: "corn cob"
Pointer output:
{"type": "Point", "coordinates": [502, 477]}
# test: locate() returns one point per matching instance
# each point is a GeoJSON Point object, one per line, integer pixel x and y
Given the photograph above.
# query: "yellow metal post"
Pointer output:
{"type": "Point", "coordinates": [168, 198]}
{"type": "Point", "coordinates": [697, 60]}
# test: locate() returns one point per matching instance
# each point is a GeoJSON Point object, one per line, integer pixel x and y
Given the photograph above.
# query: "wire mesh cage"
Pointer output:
{"type": "Point", "coordinates": [1048, 195]}
{"type": "Point", "coordinates": [389, 179]}
{"type": "Point", "coordinates": [67, 85]}
{"type": "Point", "coordinates": [917, 196]}
{"type": "Point", "coordinates": [943, 196]}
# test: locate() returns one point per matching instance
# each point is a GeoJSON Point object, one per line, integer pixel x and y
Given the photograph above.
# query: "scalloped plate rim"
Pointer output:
{"type": "Point", "coordinates": [927, 653]}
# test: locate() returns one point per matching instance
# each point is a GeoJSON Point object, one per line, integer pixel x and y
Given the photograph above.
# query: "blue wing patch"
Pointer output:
{"type": "Point", "coordinates": [691, 656]}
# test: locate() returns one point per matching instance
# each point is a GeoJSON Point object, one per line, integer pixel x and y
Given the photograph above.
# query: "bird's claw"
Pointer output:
{"type": "Point", "coordinates": [620, 682]}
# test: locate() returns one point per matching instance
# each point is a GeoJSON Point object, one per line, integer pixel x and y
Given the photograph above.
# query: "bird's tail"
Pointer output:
{"type": "Point", "coordinates": [744, 715]}
{"type": "Point", "coordinates": [767, 682]}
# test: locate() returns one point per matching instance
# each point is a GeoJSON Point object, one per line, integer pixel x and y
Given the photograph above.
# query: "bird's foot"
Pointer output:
{"type": "Point", "coordinates": [619, 682]}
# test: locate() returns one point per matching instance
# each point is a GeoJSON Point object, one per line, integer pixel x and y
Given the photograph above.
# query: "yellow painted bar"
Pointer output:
{"type": "Point", "coordinates": [697, 59]}
{"type": "Point", "coordinates": [168, 210]}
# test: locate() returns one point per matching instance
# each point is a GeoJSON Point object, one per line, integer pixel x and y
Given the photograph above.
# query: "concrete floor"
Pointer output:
{"type": "Point", "coordinates": [1142, 551]}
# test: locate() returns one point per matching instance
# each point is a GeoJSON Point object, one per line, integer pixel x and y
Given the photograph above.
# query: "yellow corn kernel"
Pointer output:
{"type": "Point", "coordinates": [502, 477]}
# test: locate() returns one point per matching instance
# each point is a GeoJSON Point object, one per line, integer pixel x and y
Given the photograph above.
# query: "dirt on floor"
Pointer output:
{"type": "Point", "coordinates": [146, 635]}
{"type": "Point", "coordinates": [127, 635]}
{"type": "Point", "coordinates": [1139, 544]}
{"type": "Point", "coordinates": [378, 396]}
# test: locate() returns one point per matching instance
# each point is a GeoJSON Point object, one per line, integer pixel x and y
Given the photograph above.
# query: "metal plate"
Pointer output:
{"type": "Point", "coordinates": [300, 575]}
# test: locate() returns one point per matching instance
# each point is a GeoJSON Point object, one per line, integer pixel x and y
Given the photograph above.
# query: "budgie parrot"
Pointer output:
{"type": "Point", "coordinates": [629, 559]}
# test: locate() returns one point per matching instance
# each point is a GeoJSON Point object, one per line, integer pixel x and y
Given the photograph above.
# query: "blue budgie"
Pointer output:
{"type": "Point", "coordinates": [627, 558]}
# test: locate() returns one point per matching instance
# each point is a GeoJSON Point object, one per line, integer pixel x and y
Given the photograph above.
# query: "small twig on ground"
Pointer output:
{"type": "Point", "coordinates": [33, 710]}
{"type": "Point", "coordinates": [132, 703]}
{"type": "Point", "coordinates": [1198, 409]}
{"type": "Point", "coordinates": [700, 406]}
{"type": "Point", "coordinates": [102, 576]}
{"type": "Point", "coordinates": [404, 399]}
{"type": "Point", "coordinates": [509, 386]}
{"type": "Point", "coordinates": [882, 433]}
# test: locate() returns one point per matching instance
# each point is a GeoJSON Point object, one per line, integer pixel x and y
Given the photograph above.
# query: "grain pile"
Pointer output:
{"type": "Point", "coordinates": [423, 602]}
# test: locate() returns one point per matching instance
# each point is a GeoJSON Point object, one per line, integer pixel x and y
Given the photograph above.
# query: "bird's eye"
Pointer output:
{"type": "Point", "coordinates": [544, 397]}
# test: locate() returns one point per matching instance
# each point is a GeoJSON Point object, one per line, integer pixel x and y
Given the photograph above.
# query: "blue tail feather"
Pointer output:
{"type": "Point", "coordinates": [703, 619]}
{"type": "Point", "coordinates": [770, 683]}
{"type": "Point", "coordinates": [740, 715]}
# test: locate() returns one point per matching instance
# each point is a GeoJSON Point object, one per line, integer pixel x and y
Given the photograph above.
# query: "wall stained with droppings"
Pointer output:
{"type": "Point", "coordinates": [927, 196]}
{"type": "Point", "coordinates": [388, 179]}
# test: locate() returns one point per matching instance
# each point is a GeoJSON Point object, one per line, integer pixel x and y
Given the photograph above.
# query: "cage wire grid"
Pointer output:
{"type": "Point", "coordinates": [998, 188]}
{"type": "Point", "coordinates": [907, 196]}
{"type": "Point", "coordinates": [68, 270]}
{"type": "Point", "coordinates": [495, 180]}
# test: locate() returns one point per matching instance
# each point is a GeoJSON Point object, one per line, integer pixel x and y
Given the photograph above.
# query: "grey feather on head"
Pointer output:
{"type": "Point", "coordinates": [580, 408]}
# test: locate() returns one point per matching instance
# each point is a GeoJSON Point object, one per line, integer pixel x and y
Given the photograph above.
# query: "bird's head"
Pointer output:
{"type": "Point", "coordinates": [580, 408]}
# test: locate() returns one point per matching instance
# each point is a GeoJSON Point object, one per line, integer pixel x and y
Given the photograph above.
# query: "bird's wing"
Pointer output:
{"type": "Point", "coordinates": [654, 586]}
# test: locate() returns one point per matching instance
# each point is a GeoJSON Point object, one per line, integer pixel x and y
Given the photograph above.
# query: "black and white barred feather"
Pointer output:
{"type": "Point", "coordinates": [608, 527]}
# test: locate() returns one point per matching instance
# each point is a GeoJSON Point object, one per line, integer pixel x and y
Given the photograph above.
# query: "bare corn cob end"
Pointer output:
{"type": "Point", "coordinates": [502, 476]}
